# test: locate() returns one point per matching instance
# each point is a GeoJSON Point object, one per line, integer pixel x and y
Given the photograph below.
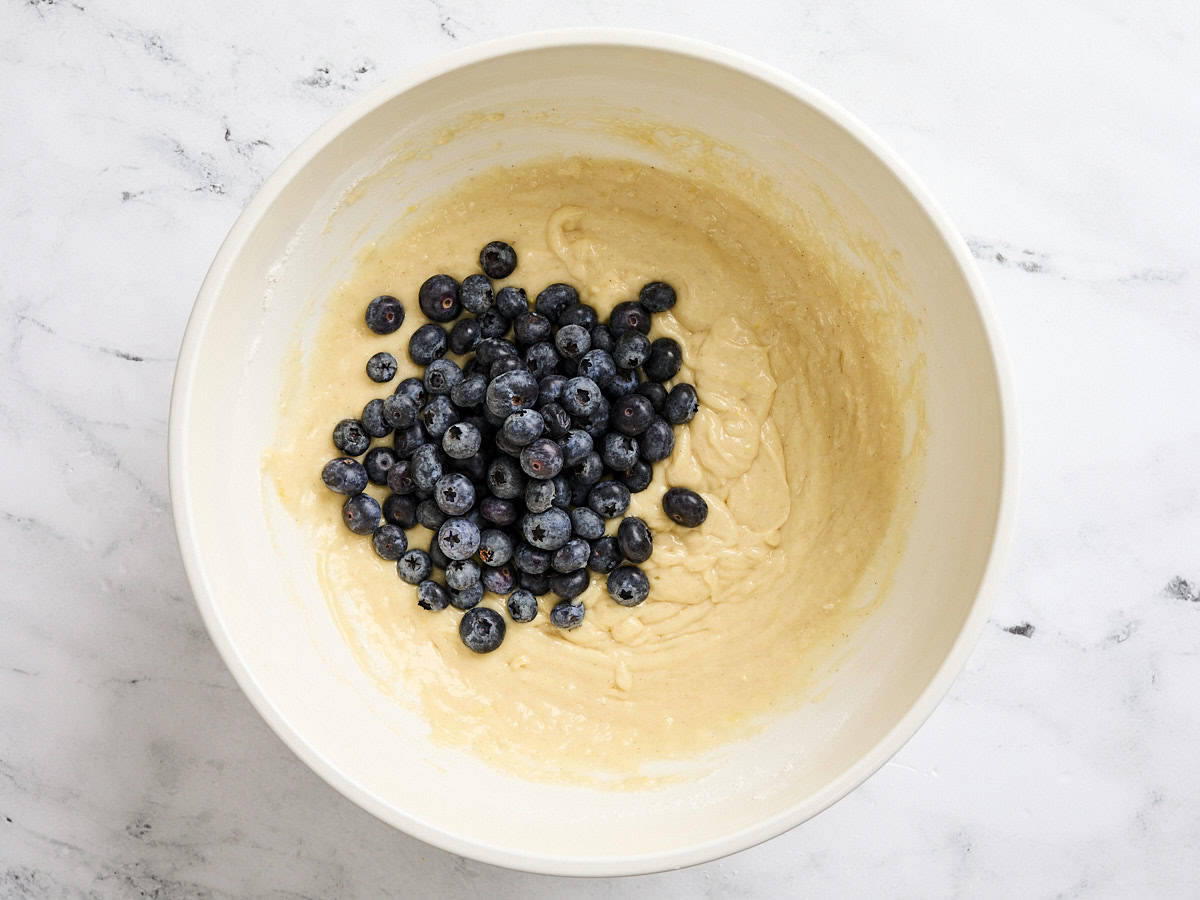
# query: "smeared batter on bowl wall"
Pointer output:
{"type": "Point", "coordinates": [807, 447]}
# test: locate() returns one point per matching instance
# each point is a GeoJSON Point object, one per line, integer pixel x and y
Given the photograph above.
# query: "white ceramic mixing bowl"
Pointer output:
{"type": "Point", "coordinates": [261, 601]}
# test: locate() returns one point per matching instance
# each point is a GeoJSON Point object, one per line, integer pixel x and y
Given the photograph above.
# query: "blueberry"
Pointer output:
{"type": "Point", "coordinates": [438, 298]}
{"type": "Point", "coordinates": [634, 539]}
{"type": "Point", "coordinates": [454, 494]}
{"type": "Point", "coordinates": [400, 510]}
{"type": "Point", "coordinates": [439, 559]}
{"type": "Point", "coordinates": [505, 479]}
{"type": "Point", "coordinates": [468, 597]}
{"type": "Point", "coordinates": [414, 566]}
{"type": "Point", "coordinates": [522, 606]}
{"type": "Point", "coordinates": [602, 338]}
{"type": "Point", "coordinates": [541, 359]}
{"type": "Point", "coordinates": [531, 559]}
{"type": "Point", "coordinates": [570, 585]}
{"type": "Point", "coordinates": [361, 513]}
{"type": "Point", "coordinates": [462, 573]}
{"type": "Point", "coordinates": [598, 365]}
{"type": "Point", "coordinates": [619, 451]}
{"type": "Point", "coordinates": [405, 441]}
{"type": "Point", "coordinates": [399, 411]}
{"type": "Point", "coordinates": [426, 467]}
{"type": "Point", "coordinates": [548, 530]}
{"type": "Point", "coordinates": [495, 547]}
{"type": "Point", "coordinates": [557, 419]}
{"type": "Point", "coordinates": [638, 477]}
{"type": "Point", "coordinates": [655, 393]}
{"type": "Point", "coordinates": [498, 259]}
{"type": "Point", "coordinates": [465, 334]}
{"type": "Point", "coordinates": [377, 462]}
{"type": "Point", "coordinates": [579, 314]}
{"type": "Point", "coordinates": [562, 492]}
{"type": "Point", "coordinates": [458, 538]}
{"type": "Point", "coordinates": [606, 555]}
{"type": "Point", "coordinates": [350, 438]}
{"type": "Point", "coordinates": [492, 324]}
{"type": "Point", "coordinates": [666, 356]}
{"type": "Point", "coordinates": [554, 299]}
{"type": "Point", "coordinates": [344, 476]}
{"type": "Point", "coordinates": [469, 392]}
{"type": "Point", "coordinates": [438, 415]}
{"type": "Point", "coordinates": [385, 314]}
{"type": "Point", "coordinates": [505, 445]}
{"type": "Point", "coordinates": [536, 584]}
{"type": "Point", "coordinates": [492, 349]}
{"type": "Point", "coordinates": [523, 427]}
{"type": "Point", "coordinates": [685, 507]}
{"type": "Point", "coordinates": [587, 524]}
{"type": "Point", "coordinates": [609, 498]}
{"type": "Point", "coordinates": [427, 344]}
{"type": "Point", "coordinates": [381, 367]}
{"type": "Point", "coordinates": [539, 495]}
{"type": "Point", "coordinates": [441, 376]}
{"type": "Point", "coordinates": [499, 579]}
{"type": "Point", "coordinates": [573, 341]}
{"type": "Point", "coordinates": [512, 391]}
{"type": "Point", "coordinates": [629, 316]}
{"type": "Point", "coordinates": [631, 415]}
{"type": "Point", "coordinates": [567, 615]}
{"type": "Point", "coordinates": [429, 515]}
{"type": "Point", "coordinates": [550, 388]}
{"type": "Point", "coordinates": [628, 585]}
{"type": "Point", "coordinates": [542, 459]}
{"type": "Point", "coordinates": [571, 556]}
{"type": "Point", "coordinates": [658, 440]}
{"type": "Point", "coordinates": [581, 396]}
{"type": "Point", "coordinates": [511, 302]}
{"type": "Point", "coordinates": [681, 404]}
{"type": "Point", "coordinates": [575, 446]}
{"type": "Point", "coordinates": [373, 422]}
{"type": "Point", "coordinates": [657, 296]}
{"type": "Point", "coordinates": [475, 294]}
{"type": "Point", "coordinates": [529, 328]}
{"type": "Point", "coordinates": [389, 542]}
{"type": "Point", "coordinates": [497, 511]}
{"type": "Point", "coordinates": [596, 422]}
{"type": "Point", "coordinates": [624, 382]}
{"type": "Point", "coordinates": [413, 390]}
{"type": "Point", "coordinates": [481, 629]}
{"type": "Point", "coordinates": [589, 470]}
{"type": "Point", "coordinates": [631, 350]}
{"type": "Point", "coordinates": [461, 440]}
{"type": "Point", "coordinates": [432, 596]}
{"type": "Point", "coordinates": [506, 364]}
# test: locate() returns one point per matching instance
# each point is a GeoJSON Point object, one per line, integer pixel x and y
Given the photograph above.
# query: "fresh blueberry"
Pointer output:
{"type": "Point", "coordinates": [602, 338]}
{"type": "Point", "coordinates": [413, 390]}
{"type": "Point", "coordinates": [439, 559]}
{"type": "Point", "coordinates": [596, 422]}
{"type": "Point", "coordinates": [606, 555]}
{"type": "Point", "coordinates": [350, 438]}
{"type": "Point", "coordinates": [567, 615]}
{"type": "Point", "coordinates": [438, 298]}
{"type": "Point", "coordinates": [432, 596]}
{"type": "Point", "coordinates": [666, 356]}
{"type": "Point", "coordinates": [512, 391]}
{"type": "Point", "coordinates": [441, 376]}
{"type": "Point", "coordinates": [373, 422]}
{"type": "Point", "coordinates": [634, 539]}
{"type": "Point", "coordinates": [505, 364]}
{"type": "Point", "coordinates": [438, 415]}
{"type": "Point", "coordinates": [468, 597]}
{"type": "Point", "coordinates": [542, 459]}
{"type": "Point", "coordinates": [685, 507]}
{"type": "Point", "coordinates": [474, 467]}
{"type": "Point", "coordinates": [681, 404]}
{"type": "Point", "coordinates": [632, 414]}
{"type": "Point", "coordinates": [548, 530]}
{"type": "Point", "coordinates": [469, 392]}
{"type": "Point", "coordinates": [427, 344]}
{"type": "Point", "coordinates": [497, 511]}
{"type": "Point", "coordinates": [492, 324]}
{"type": "Point", "coordinates": [573, 341]}
{"type": "Point", "coordinates": [458, 538]}
{"type": "Point", "coordinates": [499, 579]}
{"type": "Point", "coordinates": [465, 334]}
{"type": "Point", "coordinates": [522, 606]}
{"type": "Point", "coordinates": [523, 427]}
{"type": "Point", "coordinates": [571, 556]}
{"type": "Point", "coordinates": [638, 477]}
{"type": "Point", "coordinates": [575, 446]}
{"type": "Point", "coordinates": [531, 559]}
{"type": "Point", "coordinates": [598, 365]}
{"type": "Point", "coordinates": [631, 350]}
{"type": "Point", "coordinates": [425, 467]}
{"type": "Point", "coordinates": [579, 314]}
{"type": "Point", "coordinates": [619, 451]}
{"type": "Point", "coordinates": [628, 585]}
{"type": "Point", "coordinates": [498, 259]}
{"type": "Point", "coordinates": [405, 441]}
{"type": "Point", "coordinates": [657, 296]}
{"type": "Point", "coordinates": [481, 629]}
{"type": "Point", "coordinates": [505, 479]}
{"type": "Point", "coordinates": [400, 510]}
{"type": "Point", "coordinates": [581, 396]}
{"type": "Point", "coordinates": [344, 476]}
{"type": "Point", "coordinates": [587, 524]}
{"type": "Point", "coordinates": [511, 302]}
{"type": "Point", "coordinates": [658, 440]}
{"type": "Point", "coordinates": [588, 470]}
{"type": "Point", "coordinates": [554, 299]}
{"type": "Point", "coordinates": [562, 492]}
{"type": "Point", "coordinates": [529, 328]}
{"type": "Point", "coordinates": [492, 349]}
{"type": "Point", "coordinates": [461, 440]}
{"type": "Point", "coordinates": [430, 515]}
{"type": "Point", "coordinates": [377, 462]}
{"type": "Point", "coordinates": [495, 547]}
{"type": "Point", "coordinates": [557, 419]}
{"type": "Point", "coordinates": [629, 316]}
{"type": "Point", "coordinates": [609, 498]}
{"type": "Point", "coordinates": [541, 359]}
{"type": "Point", "coordinates": [655, 393]}
{"type": "Point", "coordinates": [539, 495]}
{"type": "Point", "coordinates": [385, 314]}
{"type": "Point", "coordinates": [381, 367]}
{"type": "Point", "coordinates": [399, 411]}
{"type": "Point", "coordinates": [505, 445]}
{"type": "Point", "coordinates": [624, 382]}
{"type": "Point", "coordinates": [550, 388]}
{"type": "Point", "coordinates": [462, 573]}
{"type": "Point", "coordinates": [361, 513]}
{"type": "Point", "coordinates": [414, 566]}
{"type": "Point", "coordinates": [389, 542]}
{"type": "Point", "coordinates": [535, 583]}
{"type": "Point", "coordinates": [475, 294]}
{"type": "Point", "coordinates": [570, 585]}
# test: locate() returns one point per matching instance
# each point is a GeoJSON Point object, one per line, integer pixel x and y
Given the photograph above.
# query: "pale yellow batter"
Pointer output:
{"type": "Point", "coordinates": [804, 447]}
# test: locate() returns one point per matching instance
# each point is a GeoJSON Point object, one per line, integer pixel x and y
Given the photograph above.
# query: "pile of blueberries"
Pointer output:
{"type": "Point", "coordinates": [517, 458]}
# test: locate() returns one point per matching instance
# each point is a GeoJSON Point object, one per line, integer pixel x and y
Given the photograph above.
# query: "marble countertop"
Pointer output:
{"type": "Point", "coordinates": [1064, 139]}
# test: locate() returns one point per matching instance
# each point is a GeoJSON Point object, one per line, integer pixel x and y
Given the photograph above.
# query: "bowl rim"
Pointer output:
{"type": "Point", "coordinates": [183, 386]}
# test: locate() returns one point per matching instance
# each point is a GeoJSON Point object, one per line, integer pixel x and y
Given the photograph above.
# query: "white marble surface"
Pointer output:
{"type": "Point", "coordinates": [1064, 138]}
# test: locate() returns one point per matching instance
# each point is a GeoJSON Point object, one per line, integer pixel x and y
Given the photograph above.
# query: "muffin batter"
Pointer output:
{"type": "Point", "coordinates": [805, 447]}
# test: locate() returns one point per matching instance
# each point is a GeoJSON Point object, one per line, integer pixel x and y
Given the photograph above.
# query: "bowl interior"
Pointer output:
{"type": "Point", "coordinates": [261, 598]}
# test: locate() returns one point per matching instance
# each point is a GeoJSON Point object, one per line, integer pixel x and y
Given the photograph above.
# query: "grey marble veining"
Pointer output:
{"type": "Point", "coordinates": [1063, 139]}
